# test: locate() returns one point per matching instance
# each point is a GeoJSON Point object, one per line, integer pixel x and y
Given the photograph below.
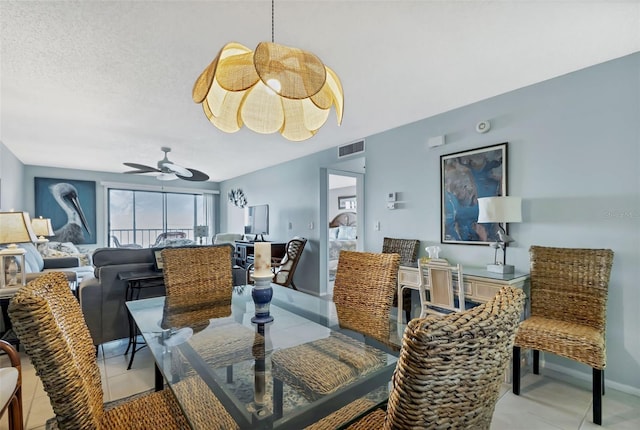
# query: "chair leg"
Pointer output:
{"type": "Point", "coordinates": [603, 382]}
{"type": "Point", "coordinates": [598, 383]}
{"type": "Point", "coordinates": [515, 370]}
{"type": "Point", "coordinates": [536, 362]}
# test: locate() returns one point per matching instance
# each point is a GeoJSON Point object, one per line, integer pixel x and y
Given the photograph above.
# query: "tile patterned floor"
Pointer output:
{"type": "Point", "coordinates": [546, 402]}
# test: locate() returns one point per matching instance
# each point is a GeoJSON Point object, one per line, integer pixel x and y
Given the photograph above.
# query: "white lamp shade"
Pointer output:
{"type": "Point", "coordinates": [15, 227]}
{"type": "Point", "coordinates": [499, 209]}
{"type": "Point", "coordinates": [42, 226]}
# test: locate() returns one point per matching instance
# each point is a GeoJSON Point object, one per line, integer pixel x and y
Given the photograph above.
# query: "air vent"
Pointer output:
{"type": "Point", "coordinates": [351, 149]}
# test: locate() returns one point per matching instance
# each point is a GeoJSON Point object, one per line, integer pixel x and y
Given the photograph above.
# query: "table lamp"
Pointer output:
{"type": "Point", "coordinates": [15, 227]}
{"type": "Point", "coordinates": [42, 228]}
{"type": "Point", "coordinates": [500, 210]}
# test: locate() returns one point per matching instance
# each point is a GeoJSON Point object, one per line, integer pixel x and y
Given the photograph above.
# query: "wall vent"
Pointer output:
{"type": "Point", "coordinates": [351, 149]}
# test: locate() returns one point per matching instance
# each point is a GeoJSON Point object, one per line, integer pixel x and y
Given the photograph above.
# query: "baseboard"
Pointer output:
{"type": "Point", "coordinates": [587, 377]}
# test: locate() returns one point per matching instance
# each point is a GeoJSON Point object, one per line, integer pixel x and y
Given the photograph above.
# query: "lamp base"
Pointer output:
{"type": "Point", "coordinates": [262, 294]}
{"type": "Point", "coordinates": [500, 268]}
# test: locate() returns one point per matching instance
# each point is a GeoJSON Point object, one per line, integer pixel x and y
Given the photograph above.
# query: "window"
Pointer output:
{"type": "Point", "coordinates": [137, 218]}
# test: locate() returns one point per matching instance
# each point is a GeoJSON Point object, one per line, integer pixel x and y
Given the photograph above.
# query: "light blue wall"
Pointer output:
{"type": "Point", "coordinates": [574, 158]}
{"type": "Point", "coordinates": [31, 172]}
{"type": "Point", "coordinates": [11, 181]}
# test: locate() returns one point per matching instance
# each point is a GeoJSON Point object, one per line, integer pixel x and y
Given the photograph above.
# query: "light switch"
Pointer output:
{"type": "Point", "coordinates": [290, 225]}
{"type": "Point", "coordinates": [377, 226]}
{"type": "Point", "coordinates": [311, 225]}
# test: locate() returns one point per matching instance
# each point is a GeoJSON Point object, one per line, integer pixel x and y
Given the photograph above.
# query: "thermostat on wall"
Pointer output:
{"type": "Point", "coordinates": [391, 197]}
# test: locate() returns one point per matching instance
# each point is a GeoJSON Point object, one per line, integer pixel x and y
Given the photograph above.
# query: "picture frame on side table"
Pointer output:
{"type": "Point", "coordinates": [464, 177]}
{"type": "Point", "coordinates": [157, 259]}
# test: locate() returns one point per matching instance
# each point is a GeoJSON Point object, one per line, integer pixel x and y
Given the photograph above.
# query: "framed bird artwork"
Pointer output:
{"type": "Point", "coordinates": [71, 206]}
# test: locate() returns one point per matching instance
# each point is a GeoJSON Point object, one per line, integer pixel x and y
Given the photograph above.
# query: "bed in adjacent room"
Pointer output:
{"type": "Point", "coordinates": [342, 236]}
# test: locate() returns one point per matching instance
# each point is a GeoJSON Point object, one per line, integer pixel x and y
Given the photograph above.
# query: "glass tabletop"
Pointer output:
{"type": "Point", "coordinates": [224, 358]}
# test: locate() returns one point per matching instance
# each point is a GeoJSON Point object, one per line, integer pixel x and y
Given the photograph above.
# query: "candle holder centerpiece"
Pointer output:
{"type": "Point", "coordinates": [262, 291]}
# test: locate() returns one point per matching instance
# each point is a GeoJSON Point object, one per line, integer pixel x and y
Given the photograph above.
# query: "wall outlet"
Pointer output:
{"type": "Point", "coordinates": [290, 225]}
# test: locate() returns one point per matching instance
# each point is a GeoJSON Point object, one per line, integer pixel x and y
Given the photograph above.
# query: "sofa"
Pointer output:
{"type": "Point", "coordinates": [102, 297]}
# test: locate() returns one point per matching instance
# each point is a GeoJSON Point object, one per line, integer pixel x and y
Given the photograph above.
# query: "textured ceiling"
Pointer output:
{"type": "Point", "coordinates": [92, 84]}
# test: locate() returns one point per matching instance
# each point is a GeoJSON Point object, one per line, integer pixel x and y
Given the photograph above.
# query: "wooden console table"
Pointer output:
{"type": "Point", "coordinates": [479, 285]}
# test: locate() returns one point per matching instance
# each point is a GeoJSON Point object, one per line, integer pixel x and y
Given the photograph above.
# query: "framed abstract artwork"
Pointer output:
{"type": "Point", "coordinates": [464, 177]}
{"type": "Point", "coordinates": [71, 205]}
{"type": "Point", "coordinates": [347, 202]}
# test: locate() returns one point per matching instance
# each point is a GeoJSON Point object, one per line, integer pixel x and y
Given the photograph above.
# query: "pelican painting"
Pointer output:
{"type": "Point", "coordinates": [70, 205]}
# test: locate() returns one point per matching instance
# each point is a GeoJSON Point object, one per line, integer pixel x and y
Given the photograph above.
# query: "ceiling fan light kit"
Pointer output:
{"type": "Point", "coordinates": [275, 88]}
{"type": "Point", "coordinates": [168, 171]}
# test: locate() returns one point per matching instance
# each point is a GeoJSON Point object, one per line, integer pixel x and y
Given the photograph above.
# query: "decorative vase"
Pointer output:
{"type": "Point", "coordinates": [262, 294]}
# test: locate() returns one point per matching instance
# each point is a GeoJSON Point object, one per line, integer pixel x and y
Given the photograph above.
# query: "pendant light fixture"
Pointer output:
{"type": "Point", "coordinates": [275, 88]}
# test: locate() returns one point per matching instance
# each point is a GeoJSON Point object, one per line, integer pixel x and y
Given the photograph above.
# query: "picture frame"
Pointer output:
{"type": "Point", "coordinates": [464, 177]}
{"type": "Point", "coordinates": [157, 259]}
{"type": "Point", "coordinates": [347, 202]}
{"type": "Point", "coordinates": [71, 206]}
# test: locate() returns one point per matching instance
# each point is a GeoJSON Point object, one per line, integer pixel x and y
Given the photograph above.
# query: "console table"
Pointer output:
{"type": "Point", "coordinates": [479, 285]}
{"type": "Point", "coordinates": [244, 252]}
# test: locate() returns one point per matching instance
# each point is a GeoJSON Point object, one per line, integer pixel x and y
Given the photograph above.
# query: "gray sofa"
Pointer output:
{"type": "Point", "coordinates": [102, 298]}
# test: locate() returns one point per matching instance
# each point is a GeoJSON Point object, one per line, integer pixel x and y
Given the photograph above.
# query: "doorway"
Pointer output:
{"type": "Point", "coordinates": [343, 196]}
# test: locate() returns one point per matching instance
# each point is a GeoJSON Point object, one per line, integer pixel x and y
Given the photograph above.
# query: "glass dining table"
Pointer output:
{"type": "Point", "coordinates": [226, 359]}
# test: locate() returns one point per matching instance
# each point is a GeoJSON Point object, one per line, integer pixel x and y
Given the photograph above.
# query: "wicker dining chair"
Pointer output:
{"type": "Point", "coordinates": [364, 288]}
{"type": "Point", "coordinates": [407, 249]}
{"type": "Point", "coordinates": [48, 320]}
{"type": "Point", "coordinates": [197, 280]}
{"type": "Point", "coordinates": [11, 387]}
{"type": "Point", "coordinates": [450, 369]}
{"type": "Point", "coordinates": [569, 288]}
{"type": "Point", "coordinates": [199, 287]}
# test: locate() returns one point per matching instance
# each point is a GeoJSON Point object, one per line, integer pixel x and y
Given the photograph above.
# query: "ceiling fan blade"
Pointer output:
{"type": "Point", "coordinates": [179, 170]}
{"type": "Point", "coordinates": [141, 167]}
{"type": "Point", "coordinates": [196, 175]}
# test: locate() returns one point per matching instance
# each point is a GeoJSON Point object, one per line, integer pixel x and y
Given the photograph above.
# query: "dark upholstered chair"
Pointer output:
{"type": "Point", "coordinates": [407, 249]}
{"type": "Point", "coordinates": [47, 319]}
{"type": "Point", "coordinates": [11, 387]}
{"type": "Point", "coordinates": [285, 268]}
{"type": "Point", "coordinates": [569, 288]}
{"type": "Point", "coordinates": [450, 369]}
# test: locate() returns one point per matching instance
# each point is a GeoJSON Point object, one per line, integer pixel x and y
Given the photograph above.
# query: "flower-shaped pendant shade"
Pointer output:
{"type": "Point", "coordinates": [275, 88]}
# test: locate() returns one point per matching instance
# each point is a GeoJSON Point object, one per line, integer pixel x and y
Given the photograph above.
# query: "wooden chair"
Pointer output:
{"type": "Point", "coordinates": [569, 288]}
{"type": "Point", "coordinates": [407, 249]}
{"type": "Point", "coordinates": [11, 387]}
{"type": "Point", "coordinates": [285, 268]}
{"type": "Point", "coordinates": [48, 320]}
{"type": "Point", "coordinates": [364, 289]}
{"type": "Point", "coordinates": [438, 296]}
{"type": "Point", "coordinates": [450, 369]}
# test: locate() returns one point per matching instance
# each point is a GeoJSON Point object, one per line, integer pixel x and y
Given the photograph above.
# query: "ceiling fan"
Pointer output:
{"type": "Point", "coordinates": [167, 170]}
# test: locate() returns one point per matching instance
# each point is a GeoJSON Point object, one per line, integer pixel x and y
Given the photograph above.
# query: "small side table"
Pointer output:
{"type": "Point", "coordinates": [136, 282]}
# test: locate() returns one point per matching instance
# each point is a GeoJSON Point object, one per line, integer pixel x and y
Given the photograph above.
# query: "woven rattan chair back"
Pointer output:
{"type": "Point", "coordinates": [440, 294]}
{"type": "Point", "coordinates": [198, 283]}
{"type": "Point", "coordinates": [49, 323]}
{"type": "Point", "coordinates": [451, 367]}
{"type": "Point", "coordinates": [571, 284]}
{"type": "Point", "coordinates": [364, 289]}
{"type": "Point", "coordinates": [286, 268]}
{"type": "Point", "coordinates": [406, 248]}
{"type": "Point", "coordinates": [569, 289]}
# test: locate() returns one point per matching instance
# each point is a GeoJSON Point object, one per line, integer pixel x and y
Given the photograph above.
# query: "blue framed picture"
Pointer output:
{"type": "Point", "coordinates": [71, 206]}
{"type": "Point", "coordinates": [466, 176]}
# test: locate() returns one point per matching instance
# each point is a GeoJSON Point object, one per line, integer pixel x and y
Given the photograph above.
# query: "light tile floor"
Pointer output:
{"type": "Point", "coordinates": [552, 401]}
